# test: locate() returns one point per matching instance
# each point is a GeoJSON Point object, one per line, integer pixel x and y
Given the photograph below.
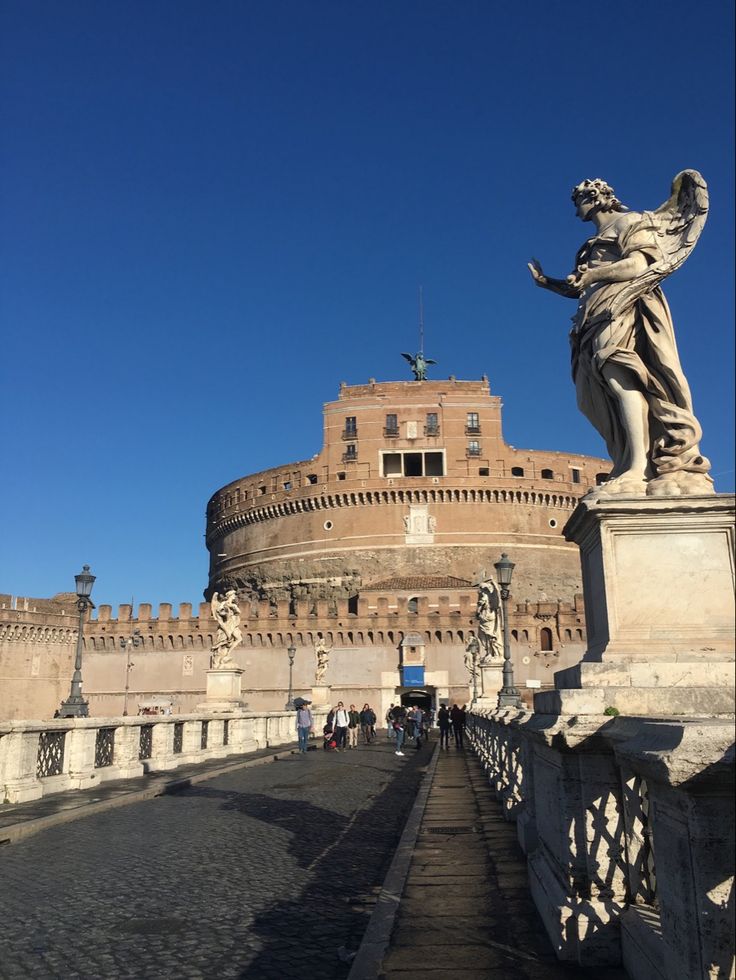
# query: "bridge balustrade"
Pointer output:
{"type": "Point", "coordinates": [626, 825]}
{"type": "Point", "coordinates": [42, 757]}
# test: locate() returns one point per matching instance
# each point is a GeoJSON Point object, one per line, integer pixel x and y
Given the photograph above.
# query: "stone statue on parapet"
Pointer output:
{"type": "Point", "coordinates": [472, 651]}
{"type": "Point", "coordinates": [625, 364]}
{"type": "Point", "coordinates": [322, 653]}
{"type": "Point", "coordinates": [489, 614]}
{"type": "Point", "coordinates": [226, 613]}
{"type": "Point", "coordinates": [419, 364]}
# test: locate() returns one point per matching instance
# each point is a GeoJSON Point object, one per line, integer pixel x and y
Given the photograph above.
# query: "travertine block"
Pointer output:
{"type": "Point", "coordinates": [658, 576]}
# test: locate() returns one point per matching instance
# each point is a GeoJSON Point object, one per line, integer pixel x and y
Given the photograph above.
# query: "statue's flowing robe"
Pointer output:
{"type": "Point", "coordinates": [641, 339]}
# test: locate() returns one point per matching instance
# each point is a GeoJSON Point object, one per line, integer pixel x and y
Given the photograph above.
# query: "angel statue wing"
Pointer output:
{"type": "Point", "coordinates": [677, 225]}
{"type": "Point", "coordinates": [428, 360]}
{"type": "Point", "coordinates": [409, 357]}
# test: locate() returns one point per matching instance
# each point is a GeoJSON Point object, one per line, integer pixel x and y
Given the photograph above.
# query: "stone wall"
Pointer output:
{"type": "Point", "coordinates": [38, 639]}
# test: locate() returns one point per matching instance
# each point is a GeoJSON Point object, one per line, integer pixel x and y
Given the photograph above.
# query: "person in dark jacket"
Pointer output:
{"type": "Point", "coordinates": [443, 723]}
{"type": "Point", "coordinates": [353, 727]}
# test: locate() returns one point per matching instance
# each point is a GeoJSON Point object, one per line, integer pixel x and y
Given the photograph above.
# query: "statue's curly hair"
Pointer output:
{"type": "Point", "coordinates": [600, 192]}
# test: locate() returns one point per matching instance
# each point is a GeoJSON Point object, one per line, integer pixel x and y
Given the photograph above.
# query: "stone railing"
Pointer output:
{"type": "Point", "coordinates": [627, 824]}
{"type": "Point", "coordinates": [42, 757]}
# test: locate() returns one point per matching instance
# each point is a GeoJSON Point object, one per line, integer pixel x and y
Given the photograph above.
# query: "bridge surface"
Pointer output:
{"type": "Point", "coordinates": [272, 872]}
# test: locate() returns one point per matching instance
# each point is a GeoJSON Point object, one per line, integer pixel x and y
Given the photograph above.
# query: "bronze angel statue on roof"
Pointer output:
{"type": "Point", "coordinates": [625, 365]}
{"type": "Point", "coordinates": [419, 364]}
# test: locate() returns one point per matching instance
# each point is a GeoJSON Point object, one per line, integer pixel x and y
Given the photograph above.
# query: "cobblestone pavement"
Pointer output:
{"type": "Point", "coordinates": [259, 873]}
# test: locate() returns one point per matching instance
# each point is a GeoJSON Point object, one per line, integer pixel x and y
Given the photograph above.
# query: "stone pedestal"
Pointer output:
{"type": "Point", "coordinates": [658, 582]}
{"type": "Point", "coordinates": [223, 690]}
{"type": "Point", "coordinates": [490, 683]}
{"type": "Point", "coordinates": [321, 695]}
{"type": "Point", "coordinates": [658, 576]}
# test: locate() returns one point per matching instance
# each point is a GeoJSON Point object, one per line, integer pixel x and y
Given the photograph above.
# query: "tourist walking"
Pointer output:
{"type": "Point", "coordinates": [457, 717]}
{"type": "Point", "coordinates": [342, 720]}
{"type": "Point", "coordinates": [399, 727]}
{"type": "Point", "coordinates": [304, 725]}
{"type": "Point", "coordinates": [390, 730]}
{"type": "Point", "coordinates": [353, 727]}
{"type": "Point", "coordinates": [367, 723]}
{"type": "Point", "coordinates": [443, 722]}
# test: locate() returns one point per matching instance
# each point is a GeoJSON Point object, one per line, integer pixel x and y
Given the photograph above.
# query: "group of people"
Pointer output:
{"type": "Point", "coordinates": [344, 726]}
{"type": "Point", "coordinates": [451, 719]}
{"type": "Point", "coordinates": [408, 723]}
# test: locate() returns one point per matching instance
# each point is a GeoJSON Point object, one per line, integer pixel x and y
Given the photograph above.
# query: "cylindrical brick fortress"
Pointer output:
{"type": "Point", "coordinates": [414, 478]}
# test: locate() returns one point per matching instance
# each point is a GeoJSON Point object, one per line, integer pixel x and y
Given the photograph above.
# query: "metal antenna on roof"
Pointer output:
{"type": "Point", "coordinates": [421, 321]}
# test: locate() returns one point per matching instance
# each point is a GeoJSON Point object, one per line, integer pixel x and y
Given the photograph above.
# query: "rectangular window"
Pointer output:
{"type": "Point", "coordinates": [351, 451]}
{"type": "Point", "coordinates": [392, 426]}
{"type": "Point", "coordinates": [575, 476]}
{"type": "Point", "coordinates": [392, 464]}
{"type": "Point", "coordinates": [472, 424]}
{"type": "Point", "coordinates": [351, 427]}
{"type": "Point", "coordinates": [473, 448]}
{"type": "Point", "coordinates": [413, 464]}
{"type": "Point", "coordinates": [432, 425]}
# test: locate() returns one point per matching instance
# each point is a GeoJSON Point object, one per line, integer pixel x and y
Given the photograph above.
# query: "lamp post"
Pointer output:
{"type": "Point", "coordinates": [291, 653]}
{"type": "Point", "coordinates": [134, 640]}
{"type": "Point", "coordinates": [75, 706]}
{"type": "Point", "coordinates": [508, 696]}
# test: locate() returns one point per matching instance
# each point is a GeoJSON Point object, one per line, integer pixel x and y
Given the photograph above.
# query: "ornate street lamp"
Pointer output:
{"type": "Point", "coordinates": [508, 696]}
{"type": "Point", "coordinates": [134, 640]}
{"type": "Point", "coordinates": [291, 653]}
{"type": "Point", "coordinates": [75, 706]}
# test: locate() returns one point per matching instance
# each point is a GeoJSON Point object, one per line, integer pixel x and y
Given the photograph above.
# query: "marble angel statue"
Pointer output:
{"type": "Point", "coordinates": [322, 653]}
{"type": "Point", "coordinates": [627, 372]}
{"type": "Point", "coordinates": [490, 623]}
{"type": "Point", "coordinates": [226, 613]}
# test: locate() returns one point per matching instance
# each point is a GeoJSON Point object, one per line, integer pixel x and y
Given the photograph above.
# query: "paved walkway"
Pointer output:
{"type": "Point", "coordinates": [466, 910]}
{"type": "Point", "coordinates": [18, 820]}
{"type": "Point", "coordinates": [265, 872]}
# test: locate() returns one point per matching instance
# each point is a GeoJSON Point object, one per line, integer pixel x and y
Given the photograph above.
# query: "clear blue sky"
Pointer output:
{"type": "Point", "coordinates": [213, 213]}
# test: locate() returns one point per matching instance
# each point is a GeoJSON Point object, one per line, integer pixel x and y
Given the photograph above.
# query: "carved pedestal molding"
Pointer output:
{"type": "Point", "coordinates": [223, 690]}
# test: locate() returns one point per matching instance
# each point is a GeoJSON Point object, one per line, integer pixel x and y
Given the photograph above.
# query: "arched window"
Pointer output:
{"type": "Point", "coordinates": [568, 634]}
{"type": "Point", "coordinates": [311, 478]}
{"type": "Point", "coordinates": [547, 475]}
{"type": "Point", "coordinates": [515, 635]}
{"type": "Point", "coordinates": [517, 470]}
{"type": "Point", "coordinates": [545, 638]}
{"type": "Point", "coordinates": [413, 604]}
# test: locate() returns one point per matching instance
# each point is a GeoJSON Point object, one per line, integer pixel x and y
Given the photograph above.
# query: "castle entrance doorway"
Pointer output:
{"type": "Point", "coordinates": [418, 696]}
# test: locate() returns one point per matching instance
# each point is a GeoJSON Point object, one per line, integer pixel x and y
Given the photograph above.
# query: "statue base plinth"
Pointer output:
{"type": "Point", "coordinates": [321, 696]}
{"type": "Point", "coordinates": [657, 576]}
{"type": "Point", "coordinates": [223, 690]}
{"type": "Point", "coordinates": [491, 679]}
{"type": "Point", "coordinates": [659, 608]}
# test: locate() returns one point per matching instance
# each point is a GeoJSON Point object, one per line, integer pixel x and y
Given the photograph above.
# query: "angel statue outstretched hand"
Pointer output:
{"type": "Point", "coordinates": [226, 613]}
{"type": "Point", "coordinates": [625, 364]}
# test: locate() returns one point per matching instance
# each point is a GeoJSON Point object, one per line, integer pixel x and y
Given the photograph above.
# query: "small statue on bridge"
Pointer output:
{"type": "Point", "coordinates": [226, 613]}
{"type": "Point", "coordinates": [322, 653]}
{"type": "Point", "coordinates": [489, 615]}
{"type": "Point", "coordinates": [472, 653]}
